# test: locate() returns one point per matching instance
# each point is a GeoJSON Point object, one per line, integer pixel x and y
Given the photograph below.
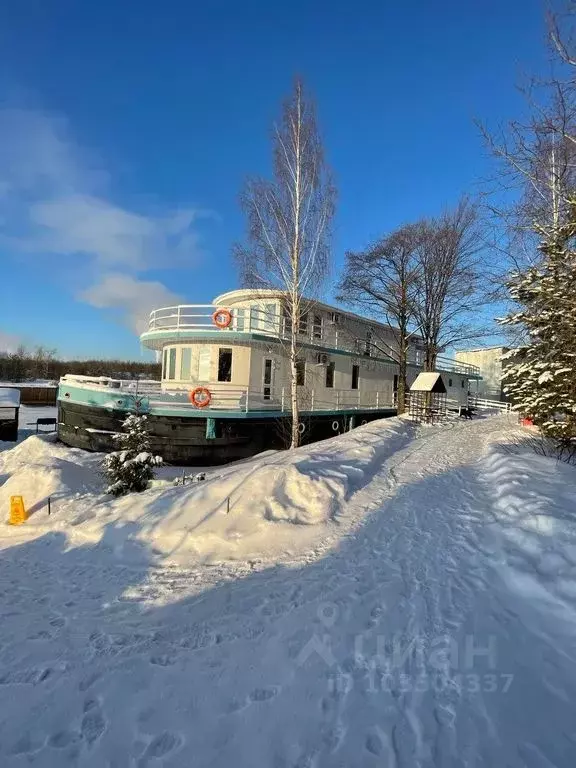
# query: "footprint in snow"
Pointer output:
{"type": "Point", "coordinates": [88, 681]}
{"type": "Point", "coordinates": [93, 722]}
{"type": "Point", "coordinates": [263, 694]}
{"type": "Point", "coordinates": [162, 661]}
{"type": "Point", "coordinates": [162, 744]}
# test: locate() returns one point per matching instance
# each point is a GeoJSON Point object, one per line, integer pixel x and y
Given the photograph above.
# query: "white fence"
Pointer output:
{"type": "Point", "coordinates": [482, 404]}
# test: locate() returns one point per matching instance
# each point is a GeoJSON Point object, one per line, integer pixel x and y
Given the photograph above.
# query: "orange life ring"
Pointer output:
{"type": "Point", "coordinates": [200, 397]}
{"type": "Point", "coordinates": [222, 318]}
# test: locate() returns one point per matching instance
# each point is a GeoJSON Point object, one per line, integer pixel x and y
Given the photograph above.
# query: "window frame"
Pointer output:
{"type": "Point", "coordinates": [317, 326]}
{"type": "Point", "coordinates": [221, 373]}
{"type": "Point", "coordinates": [186, 352]}
{"type": "Point", "coordinates": [300, 373]}
{"type": "Point", "coordinates": [172, 363]}
{"type": "Point", "coordinates": [330, 372]}
{"type": "Point", "coordinates": [355, 384]}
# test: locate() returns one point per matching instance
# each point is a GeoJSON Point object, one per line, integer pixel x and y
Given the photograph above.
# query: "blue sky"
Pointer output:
{"type": "Point", "coordinates": [127, 128]}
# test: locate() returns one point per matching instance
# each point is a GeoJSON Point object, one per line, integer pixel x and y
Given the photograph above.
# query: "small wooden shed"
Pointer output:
{"type": "Point", "coordinates": [9, 409]}
{"type": "Point", "coordinates": [428, 398]}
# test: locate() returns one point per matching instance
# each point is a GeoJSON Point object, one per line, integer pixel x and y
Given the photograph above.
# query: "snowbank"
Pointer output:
{"type": "Point", "coordinates": [265, 508]}
{"type": "Point", "coordinates": [39, 467]}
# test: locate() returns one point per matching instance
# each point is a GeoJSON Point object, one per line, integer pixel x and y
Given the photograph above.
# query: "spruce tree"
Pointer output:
{"type": "Point", "coordinates": [131, 467]}
{"type": "Point", "coordinates": [541, 375]}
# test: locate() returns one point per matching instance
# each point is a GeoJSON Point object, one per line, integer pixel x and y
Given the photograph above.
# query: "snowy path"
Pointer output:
{"type": "Point", "coordinates": [441, 632]}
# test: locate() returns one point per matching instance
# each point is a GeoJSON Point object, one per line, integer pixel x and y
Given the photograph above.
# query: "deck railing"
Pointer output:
{"type": "Point", "coordinates": [149, 395]}
{"type": "Point", "coordinates": [198, 318]}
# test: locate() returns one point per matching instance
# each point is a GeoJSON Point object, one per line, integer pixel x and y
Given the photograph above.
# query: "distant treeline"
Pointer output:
{"type": "Point", "coordinates": [25, 365]}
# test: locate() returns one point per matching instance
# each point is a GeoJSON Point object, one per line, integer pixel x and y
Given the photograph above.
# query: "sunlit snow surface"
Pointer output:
{"type": "Point", "coordinates": [394, 596]}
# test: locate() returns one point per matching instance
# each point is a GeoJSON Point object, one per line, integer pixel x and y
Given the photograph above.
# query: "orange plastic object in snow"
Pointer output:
{"type": "Point", "coordinates": [18, 514]}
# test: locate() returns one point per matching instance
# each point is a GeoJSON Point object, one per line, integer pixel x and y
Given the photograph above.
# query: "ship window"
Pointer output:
{"type": "Point", "coordinates": [186, 363]}
{"type": "Point", "coordinates": [224, 364]}
{"type": "Point", "coordinates": [330, 375]}
{"type": "Point", "coordinates": [172, 363]}
{"type": "Point", "coordinates": [270, 317]}
{"type": "Point", "coordinates": [317, 327]}
{"type": "Point", "coordinates": [204, 360]}
{"type": "Point", "coordinates": [165, 364]}
{"type": "Point", "coordinates": [368, 345]}
{"type": "Point", "coordinates": [449, 382]}
{"type": "Point", "coordinates": [254, 317]}
{"type": "Point", "coordinates": [240, 319]}
{"type": "Point", "coordinates": [267, 378]}
{"type": "Point", "coordinates": [355, 376]}
{"type": "Point", "coordinates": [300, 373]}
{"type": "Point", "coordinates": [303, 324]}
{"type": "Point", "coordinates": [287, 321]}
{"type": "Point", "coordinates": [463, 383]}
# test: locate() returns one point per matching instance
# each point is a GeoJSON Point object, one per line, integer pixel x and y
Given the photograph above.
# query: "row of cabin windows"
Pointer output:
{"type": "Point", "coordinates": [225, 368]}
{"type": "Point", "coordinates": [330, 370]}
{"type": "Point", "coordinates": [204, 359]}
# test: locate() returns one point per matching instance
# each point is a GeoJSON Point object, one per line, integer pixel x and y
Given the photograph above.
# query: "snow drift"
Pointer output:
{"type": "Point", "coordinates": [264, 508]}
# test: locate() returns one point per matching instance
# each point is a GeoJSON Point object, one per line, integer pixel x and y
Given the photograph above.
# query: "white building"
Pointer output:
{"type": "Point", "coordinates": [488, 361]}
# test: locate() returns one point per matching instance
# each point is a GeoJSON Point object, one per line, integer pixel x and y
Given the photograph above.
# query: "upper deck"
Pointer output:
{"type": "Point", "coordinates": [322, 327]}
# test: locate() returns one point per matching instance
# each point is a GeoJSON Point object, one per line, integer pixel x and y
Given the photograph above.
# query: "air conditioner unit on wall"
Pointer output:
{"type": "Point", "coordinates": [322, 358]}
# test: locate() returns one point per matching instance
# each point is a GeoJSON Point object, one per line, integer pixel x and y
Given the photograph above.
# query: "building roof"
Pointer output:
{"type": "Point", "coordinates": [480, 349]}
{"type": "Point", "coordinates": [9, 397]}
{"type": "Point", "coordinates": [428, 382]}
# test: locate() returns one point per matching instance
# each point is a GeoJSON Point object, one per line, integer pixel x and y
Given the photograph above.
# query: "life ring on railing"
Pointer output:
{"type": "Point", "coordinates": [200, 397]}
{"type": "Point", "coordinates": [301, 427]}
{"type": "Point", "coordinates": [222, 318]}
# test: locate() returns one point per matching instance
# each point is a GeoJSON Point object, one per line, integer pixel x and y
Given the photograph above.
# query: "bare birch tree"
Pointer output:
{"type": "Point", "coordinates": [289, 217]}
{"type": "Point", "coordinates": [452, 281]}
{"type": "Point", "coordinates": [382, 280]}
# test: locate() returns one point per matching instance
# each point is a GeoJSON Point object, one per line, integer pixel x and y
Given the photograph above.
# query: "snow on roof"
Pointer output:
{"type": "Point", "coordinates": [9, 397]}
{"type": "Point", "coordinates": [428, 382]}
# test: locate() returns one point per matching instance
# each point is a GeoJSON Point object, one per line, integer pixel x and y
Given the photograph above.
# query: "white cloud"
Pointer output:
{"type": "Point", "coordinates": [8, 342]}
{"type": "Point", "coordinates": [133, 298]}
{"type": "Point", "coordinates": [53, 201]}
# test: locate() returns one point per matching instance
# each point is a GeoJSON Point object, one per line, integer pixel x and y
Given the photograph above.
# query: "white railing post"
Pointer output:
{"type": "Point", "coordinates": [336, 338]}
{"type": "Point", "coordinates": [359, 391]}
{"type": "Point", "coordinates": [312, 401]}
{"type": "Point", "coordinates": [337, 398]}
{"type": "Point", "coordinates": [282, 400]}
{"type": "Point", "coordinates": [377, 399]}
{"type": "Point", "coordinates": [247, 395]}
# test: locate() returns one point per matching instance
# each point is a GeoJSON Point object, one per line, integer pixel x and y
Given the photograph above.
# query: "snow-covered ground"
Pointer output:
{"type": "Point", "coordinates": [391, 597]}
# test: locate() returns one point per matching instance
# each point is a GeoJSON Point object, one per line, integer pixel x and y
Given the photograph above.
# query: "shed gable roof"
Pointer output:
{"type": "Point", "coordinates": [428, 382]}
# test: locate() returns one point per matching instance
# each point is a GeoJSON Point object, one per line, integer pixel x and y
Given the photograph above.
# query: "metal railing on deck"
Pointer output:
{"type": "Point", "coordinates": [230, 398]}
{"type": "Point", "coordinates": [312, 329]}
